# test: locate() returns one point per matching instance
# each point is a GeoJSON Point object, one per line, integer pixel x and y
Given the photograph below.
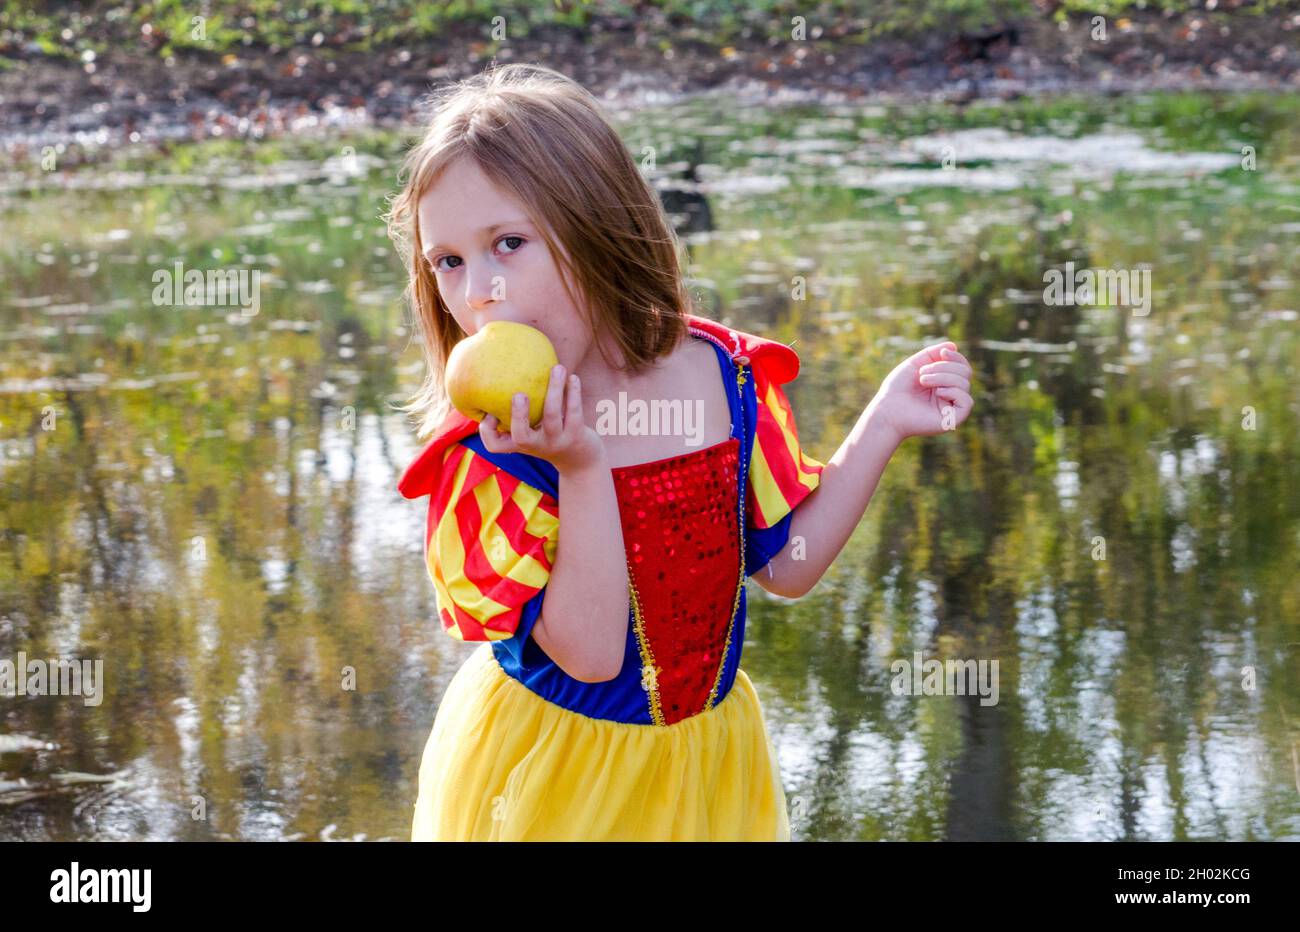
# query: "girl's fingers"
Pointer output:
{"type": "Point", "coordinates": [943, 379]}
{"type": "Point", "coordinates": [928, 355]}
{"type": "Point", "coordinates": [573, 416]}
{"type": "Point", "coordinates": [494, 441]}
{"type": "Point", "coordinates": [955, 368]}
{"type": "Point", "coordinates": [951, 355]}
{"type": "Point", "coordinates": [959, 399]}
{"type": "Point", "coordinates": [552, 423]}
{"type": "Point", "coordinates": [520, 429]}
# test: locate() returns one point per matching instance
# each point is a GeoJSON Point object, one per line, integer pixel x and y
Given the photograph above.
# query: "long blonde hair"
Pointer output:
{"type": "Point", "coordinates": [542, 137]}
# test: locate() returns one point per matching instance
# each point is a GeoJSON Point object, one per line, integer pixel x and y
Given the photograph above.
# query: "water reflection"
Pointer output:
{"type": "Point", "coordinates": [206, 500]}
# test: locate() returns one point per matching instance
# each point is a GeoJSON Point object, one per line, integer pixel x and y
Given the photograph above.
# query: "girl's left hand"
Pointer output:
{"type": "Point", "coordinates": [927, 393]}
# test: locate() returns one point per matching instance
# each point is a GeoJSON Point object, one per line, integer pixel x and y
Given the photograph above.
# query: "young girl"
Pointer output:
{"type": "Point", "coordinates": [606, 700]}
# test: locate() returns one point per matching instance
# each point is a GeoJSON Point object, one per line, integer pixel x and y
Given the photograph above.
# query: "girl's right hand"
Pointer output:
{"type": "Point", "coordinates": [563, 439]}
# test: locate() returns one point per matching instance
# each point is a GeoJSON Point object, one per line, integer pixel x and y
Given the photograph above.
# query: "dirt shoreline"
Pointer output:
{"type": "Point", "coordinates": [131, 98]}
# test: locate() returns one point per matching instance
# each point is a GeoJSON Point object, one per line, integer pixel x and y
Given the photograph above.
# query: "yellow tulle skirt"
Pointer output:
{"type": "Point", "coordinates": [504, 764]}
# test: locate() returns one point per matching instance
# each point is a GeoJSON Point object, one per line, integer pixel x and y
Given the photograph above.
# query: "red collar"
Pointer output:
{"type": "Point", "coordinates": [779, 363]}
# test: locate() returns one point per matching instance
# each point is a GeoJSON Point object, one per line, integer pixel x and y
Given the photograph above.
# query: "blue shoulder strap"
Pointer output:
{"type": "Point", "coordinates": [761, 544]}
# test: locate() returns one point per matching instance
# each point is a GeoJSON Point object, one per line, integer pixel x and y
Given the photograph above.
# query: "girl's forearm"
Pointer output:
{"type": "Point", "coordinates": [583, 625]}
{"type": "Point", "coordinates": [824, 521]}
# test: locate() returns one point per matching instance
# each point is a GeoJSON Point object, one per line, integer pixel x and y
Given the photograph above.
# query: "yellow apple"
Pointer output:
{"type": "Point", "coordinates": [485, 371]}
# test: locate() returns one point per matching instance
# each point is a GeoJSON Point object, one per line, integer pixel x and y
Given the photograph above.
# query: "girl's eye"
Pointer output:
{"type": "Point", "coordinates": [518, 240]}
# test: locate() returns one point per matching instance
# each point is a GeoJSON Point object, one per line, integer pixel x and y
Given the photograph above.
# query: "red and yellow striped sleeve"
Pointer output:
{"type": "Point", "coordinates": [490, 544]}
{"type": "Point", "coordinates": [781, 475]}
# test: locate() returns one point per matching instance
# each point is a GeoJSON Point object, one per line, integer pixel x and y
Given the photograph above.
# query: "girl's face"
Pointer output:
{"type": "Point", "coordinates": [490, 263]}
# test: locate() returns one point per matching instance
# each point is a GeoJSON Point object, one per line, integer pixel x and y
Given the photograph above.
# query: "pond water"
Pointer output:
{"type": "Point", "coordinates": [204, 497]}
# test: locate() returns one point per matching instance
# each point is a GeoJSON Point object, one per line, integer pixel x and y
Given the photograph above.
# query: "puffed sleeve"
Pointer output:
{"type": "Point", "coordinates": [781, 474]}
{"type": "Point", "coordinates": [491, 543]}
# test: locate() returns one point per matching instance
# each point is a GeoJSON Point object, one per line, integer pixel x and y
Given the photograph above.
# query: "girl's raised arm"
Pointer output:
{"type": "Point", "coordinates": [927, 393]}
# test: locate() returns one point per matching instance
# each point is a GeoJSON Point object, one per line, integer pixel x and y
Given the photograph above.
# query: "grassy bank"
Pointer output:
{"type": "Point", "coordinates": [224, 27]}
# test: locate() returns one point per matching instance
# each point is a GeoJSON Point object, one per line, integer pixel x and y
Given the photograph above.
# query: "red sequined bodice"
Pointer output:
{"type": "Point", "coordinates": [681, 532]}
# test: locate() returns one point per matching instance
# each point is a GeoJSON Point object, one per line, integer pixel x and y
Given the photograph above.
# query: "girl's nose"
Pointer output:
{"type": "Point", "coordinates": [479, 293]}
{"type": "Point", "coordinates": [484, 290]}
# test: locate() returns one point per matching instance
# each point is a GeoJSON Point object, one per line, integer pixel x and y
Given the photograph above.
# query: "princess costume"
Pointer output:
{"type": "Point", "coordinates": [675, 747]}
